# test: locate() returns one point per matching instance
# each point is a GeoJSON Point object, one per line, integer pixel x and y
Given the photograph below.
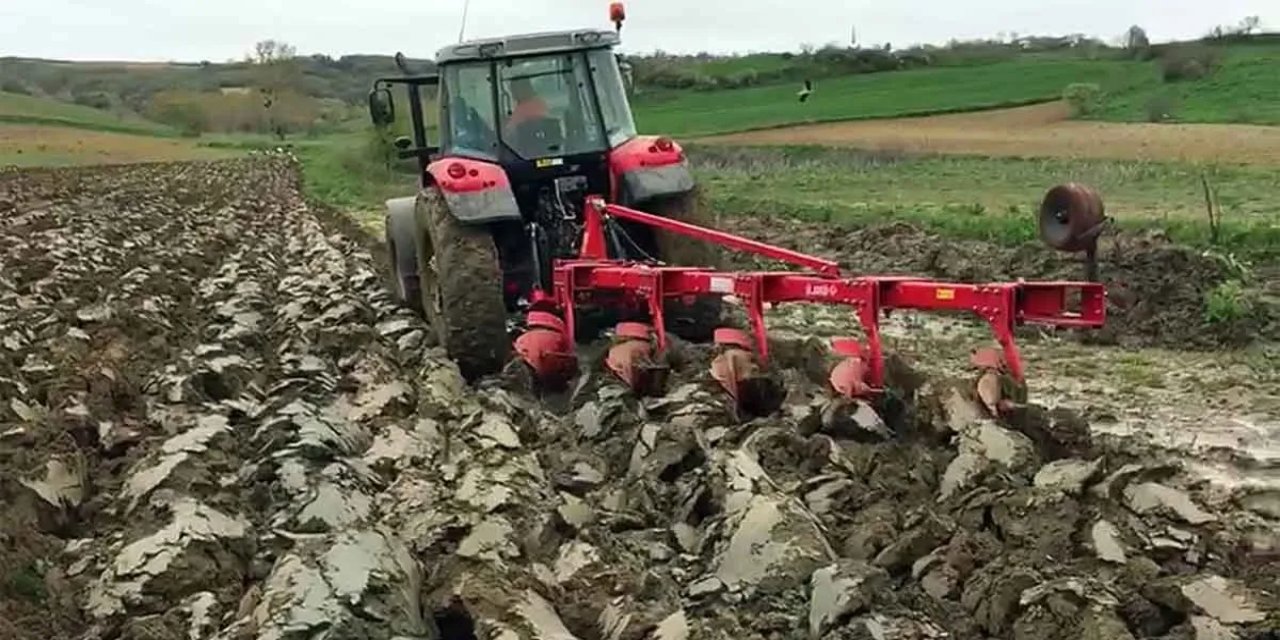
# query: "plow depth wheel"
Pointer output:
{"type": "Point", "coordinates": [1070, 217]}
{"type": "Point", "coordinates": [699, 320]}
{"type": "Point", "coordinates": [461, 283]}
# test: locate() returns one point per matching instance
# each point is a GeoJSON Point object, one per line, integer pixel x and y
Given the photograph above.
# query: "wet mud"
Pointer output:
{"type": "Point", "coordinates": [217, 425]}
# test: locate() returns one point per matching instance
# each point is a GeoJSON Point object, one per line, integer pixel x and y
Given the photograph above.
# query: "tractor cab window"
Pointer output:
{"type": "Point", "coordinates": [468, 96]}
{"type": "Point", "coordinates": [618, 122]}
{"type": "Point", "coordinates": [545, 107]}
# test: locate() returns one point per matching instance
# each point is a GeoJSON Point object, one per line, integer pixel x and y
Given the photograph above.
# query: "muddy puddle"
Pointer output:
{"type": "Point", "coordinates": [216, 425]}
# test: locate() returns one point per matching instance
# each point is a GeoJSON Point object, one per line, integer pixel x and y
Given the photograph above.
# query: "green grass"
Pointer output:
{"type": "Point", "coordinates": [879, 95]}
{"type": "Point", "coordinates": [20, 109]}
{"type": "Point", "coordinates": [343, 171]}
{"type": "Point", "coordinates": [1246, 89]}
{"type": "Point", "coordinates": [990, 199]}
{"type": "Point", "coordinates": [993, 199]}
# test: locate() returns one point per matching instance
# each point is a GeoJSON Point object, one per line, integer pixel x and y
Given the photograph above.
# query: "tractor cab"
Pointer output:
{"type": "Point", "coordinates": [523, 99]}
{"type": "Point", "coordinates": [527, 103]}
{"type": "Point", "coordinates": [547, 108]}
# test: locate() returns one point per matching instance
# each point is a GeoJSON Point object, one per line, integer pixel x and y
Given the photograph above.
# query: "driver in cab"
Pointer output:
{"type": "Point", "coordinates": [529, 106]}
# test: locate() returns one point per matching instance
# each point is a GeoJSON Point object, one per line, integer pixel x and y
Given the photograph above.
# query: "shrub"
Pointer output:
{"type": "Point", "coordinates": [1189, 62]}
{"type": "Point", "coordinates": [747, 78]}
{"type": "Point", "coordinates": [1227, 302]}
{"type": "Point", "coordinates": [1084, 97]}
{"type": "Point", "coordinates": [1160, 108]}
{"type": "Point", "coordinates": [13, 86]}
{"type": "Point", "coordinates": [95, 99]}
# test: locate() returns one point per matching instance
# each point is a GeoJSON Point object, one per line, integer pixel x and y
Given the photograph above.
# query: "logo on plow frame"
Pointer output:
{"type": "Point", "coordinates": [820, 290]}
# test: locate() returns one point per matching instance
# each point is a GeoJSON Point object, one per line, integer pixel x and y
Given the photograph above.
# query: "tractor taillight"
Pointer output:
{"type": "Point", "coordinates": [664, 144]}
{"type": "Point", "coordinates": [457, 171]}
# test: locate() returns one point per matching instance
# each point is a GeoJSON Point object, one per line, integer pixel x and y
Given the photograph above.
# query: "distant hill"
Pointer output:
{"type": "Point", "coordinates": [131, 84]}
{"type": "Point", "coordinates": [24, 109]}
{"type": "Point", "coordinates": [1224, 78]}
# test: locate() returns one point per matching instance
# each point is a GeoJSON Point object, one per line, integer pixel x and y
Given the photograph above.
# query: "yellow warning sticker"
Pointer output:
{"type": "Point", "coordinates": [946, 294]}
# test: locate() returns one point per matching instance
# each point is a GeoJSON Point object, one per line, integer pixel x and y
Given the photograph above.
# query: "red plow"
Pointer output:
{"type": "Point", "coordinates": [742, 356]}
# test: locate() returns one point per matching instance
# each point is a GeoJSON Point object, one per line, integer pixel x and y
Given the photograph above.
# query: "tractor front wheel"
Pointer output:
{"type": "Point", "coordinates": [461, 285]}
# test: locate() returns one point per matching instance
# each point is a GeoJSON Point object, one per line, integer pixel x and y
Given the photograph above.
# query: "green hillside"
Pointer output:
{"type": "Point", "coordinates": [24, 109]}
{"type": "Point", "coordinates": [1245, 88]}
{"type": "Point", "coordinates": [880, 95]}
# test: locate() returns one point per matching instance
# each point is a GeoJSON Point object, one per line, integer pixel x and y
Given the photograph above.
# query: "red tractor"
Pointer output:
{"type": "Point", "coordinates": [542, 215]}
{"type": "Point", "coordinates": [529, 126]}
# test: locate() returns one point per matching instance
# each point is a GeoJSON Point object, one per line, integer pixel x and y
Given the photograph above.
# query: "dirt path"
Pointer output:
{"type": "Point", "coordinates": [1035, 131]}
{"type": "Point", "coordinates": [217, 426]}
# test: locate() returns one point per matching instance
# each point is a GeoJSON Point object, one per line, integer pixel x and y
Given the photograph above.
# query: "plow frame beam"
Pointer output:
{"type": "Point", "coordinates": [594, 278]}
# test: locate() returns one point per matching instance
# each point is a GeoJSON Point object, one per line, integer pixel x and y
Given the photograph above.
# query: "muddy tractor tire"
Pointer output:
{"type": "Point", "coordinates": [697, 320]}
{"type": "Point", "coordinates": [402, 253]}
{"type": "Point", "coordinates": [461, 288]}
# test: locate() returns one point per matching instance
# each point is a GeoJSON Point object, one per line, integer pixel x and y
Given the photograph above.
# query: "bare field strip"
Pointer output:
{"type": "Point", "coordinates": [1035, 131]}
{"type": "Point", "coordinates": [38, 145]}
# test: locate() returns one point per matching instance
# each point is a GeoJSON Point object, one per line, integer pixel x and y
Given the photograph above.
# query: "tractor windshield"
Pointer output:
{"type": "Point", "coordinates": [545, 107]}
{"type": "Point", "coordinates": [541, 106]}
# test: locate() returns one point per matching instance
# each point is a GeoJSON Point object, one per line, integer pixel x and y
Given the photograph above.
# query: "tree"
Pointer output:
{"type": "Point", "coordinates": [277, 72]}
{"type": "Point", "coordinates": [269, 51]}
{"type": "Point", "coordinates": [1250, 24]}
{"type": "Point", "coordinates": [1136, 39]}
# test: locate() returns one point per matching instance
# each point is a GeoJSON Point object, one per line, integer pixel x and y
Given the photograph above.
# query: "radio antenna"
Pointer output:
{"type": "Point", "coordinates": [466, 4]}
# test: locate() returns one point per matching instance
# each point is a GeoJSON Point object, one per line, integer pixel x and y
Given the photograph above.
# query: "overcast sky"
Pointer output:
{"type": "Point", "coordinates": [192, 30]}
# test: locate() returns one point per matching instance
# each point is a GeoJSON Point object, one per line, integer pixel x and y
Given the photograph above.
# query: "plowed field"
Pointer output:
{"type": "Point", "coordinates": [217, 425]}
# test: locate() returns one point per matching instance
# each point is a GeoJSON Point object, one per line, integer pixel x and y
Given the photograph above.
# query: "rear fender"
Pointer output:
{"type": "Point", "coordinates": [400, 234]}
{"type": "Point", "coordinates": [482, 194]}
{"type": "Point", "coordinates": [641, 171]}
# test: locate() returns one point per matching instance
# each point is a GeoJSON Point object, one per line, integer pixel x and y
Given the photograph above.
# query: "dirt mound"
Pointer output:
{"type": "Point", "coordinates": [1156, 289]}
{"type": "Point", "coordinates": [217, 425]}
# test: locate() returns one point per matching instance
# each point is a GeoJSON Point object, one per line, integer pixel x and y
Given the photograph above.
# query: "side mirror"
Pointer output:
{"type": "Point", "coordinates": [382, 108]}
{"type": "Point", "coordinates": [628, 78]}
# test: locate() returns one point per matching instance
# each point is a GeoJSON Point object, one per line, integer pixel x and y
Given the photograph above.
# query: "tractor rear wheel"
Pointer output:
{"type": "Point", "coordinates": [461, 283]}
{"type": "Point", "coordinates": [697, 320]}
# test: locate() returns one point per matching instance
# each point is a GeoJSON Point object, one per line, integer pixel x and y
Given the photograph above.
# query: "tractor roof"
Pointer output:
{"type": "Point", "coordinates": [527, 44]}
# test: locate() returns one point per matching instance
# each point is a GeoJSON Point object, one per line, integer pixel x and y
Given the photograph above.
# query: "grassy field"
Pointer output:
{"type": "Point", "coordinates": [879, 95]}
{"type": "Point", "coordinates": [993, 199]}
{"type": "Point", "coordinates": [1246, 89]}
{"type": "Point", "coordinates": [21, 109]}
